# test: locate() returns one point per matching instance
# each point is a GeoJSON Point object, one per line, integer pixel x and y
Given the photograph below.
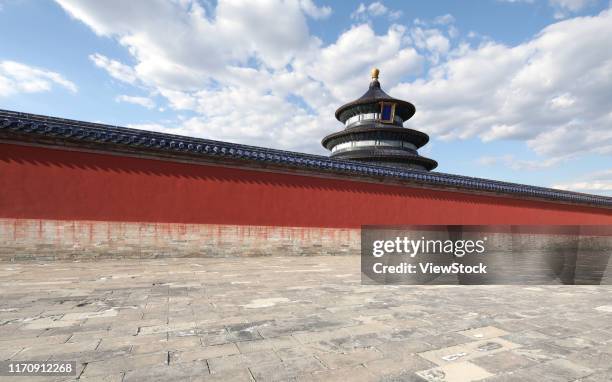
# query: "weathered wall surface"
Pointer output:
{"type": "Point", "coordinates": [61, 203]}
{"type": "Point", "coordinates": [31, 239]}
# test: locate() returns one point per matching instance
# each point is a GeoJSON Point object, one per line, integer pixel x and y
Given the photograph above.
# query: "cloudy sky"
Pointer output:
{"type": "Point", "coordinates": [517, 90]}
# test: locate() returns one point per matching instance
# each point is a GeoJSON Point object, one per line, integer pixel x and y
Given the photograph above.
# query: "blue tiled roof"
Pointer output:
{"type": "Point", "coordinates": [19, 125]}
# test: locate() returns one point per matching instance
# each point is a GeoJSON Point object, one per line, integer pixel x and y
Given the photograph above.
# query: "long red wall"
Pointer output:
{"type": "Point", "coordinates": [41, 183]}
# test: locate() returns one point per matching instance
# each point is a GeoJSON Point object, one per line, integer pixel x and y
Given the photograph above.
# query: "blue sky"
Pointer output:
{"type": "Point", "coordinates": [517, 90]}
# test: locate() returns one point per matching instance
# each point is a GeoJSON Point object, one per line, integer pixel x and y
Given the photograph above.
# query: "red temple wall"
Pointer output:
{"type": "Point", "coordinates": [58, 204]}
{"type": "Point", "coordinates": [42, 183]}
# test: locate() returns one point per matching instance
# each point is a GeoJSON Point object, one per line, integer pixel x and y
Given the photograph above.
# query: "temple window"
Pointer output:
{"type": "Point", "coordinates": [387, 112]}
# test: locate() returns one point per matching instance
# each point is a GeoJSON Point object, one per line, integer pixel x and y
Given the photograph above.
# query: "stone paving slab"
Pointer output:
{"type": "Point", "coordinates": [296, 319]}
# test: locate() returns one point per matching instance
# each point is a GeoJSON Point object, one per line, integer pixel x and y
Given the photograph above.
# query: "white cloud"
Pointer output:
{"type": "Point", "coordinates": [598, 182]}
{"type": "Point", "coordinates": [115, 68]}
{"type": "Point", "coordinates": [142, 101]}
{"type": "Point", "coordinates": [313, 11]}
{"type": "Point", "coordinates": [446, 19]}
{"type": "Point", "coordinates": [561, 8]}
{"type": "Point", "coordinates": [570, 5]}
{"type": "Point", "coordinates": [554, 91]}
{"type": "Point", "coordinates": [346, 81]}
{"type": "Point", "coordinates": [562, 101]}
{"type": "Point", "coordinates": [177, 45]}
{"type": "Point", "coordinates": [432, 41]}
{"type": "Point", "coordinates": [280, 86]}
{"type": "Point", "coordinates": [375, 9]}
{"type": "Point", "coordinates": [512, 162]}
{"type": "Point", "coordinates": [434, 37]}
{"type": "Point", "coordinates": [16, 77]}
{"type": "Point", "coordinates": [586, 186]}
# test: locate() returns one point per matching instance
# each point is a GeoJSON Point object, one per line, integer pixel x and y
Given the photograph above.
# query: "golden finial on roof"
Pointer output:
{"type": "Point", "coordinates": [375, 73]}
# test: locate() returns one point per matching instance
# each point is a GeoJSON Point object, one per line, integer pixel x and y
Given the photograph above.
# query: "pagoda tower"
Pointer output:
{"type": "Point", "coordinates": [374, 131]}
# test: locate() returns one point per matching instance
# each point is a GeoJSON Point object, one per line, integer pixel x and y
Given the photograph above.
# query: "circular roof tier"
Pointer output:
{"type": "Point", "coordinates": [416, 137]}
{"type": "Point", "coordinates": [404, 109]}
{"type": "Point", "coordinates": [387, 156]}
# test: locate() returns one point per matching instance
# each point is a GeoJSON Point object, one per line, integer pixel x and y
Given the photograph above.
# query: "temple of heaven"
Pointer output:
{"type": "Point", "coordinates": [374, 131]}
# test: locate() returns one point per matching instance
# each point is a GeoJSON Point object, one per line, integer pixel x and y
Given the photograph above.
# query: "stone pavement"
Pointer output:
{"type": "Point", "coordinates": [294, 318]}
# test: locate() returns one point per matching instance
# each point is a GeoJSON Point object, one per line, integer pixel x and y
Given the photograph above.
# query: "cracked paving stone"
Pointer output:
{"type": "Point", "coordinates": [468, 351]}
{"type": "Point", "coordinates": [502, 362]}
